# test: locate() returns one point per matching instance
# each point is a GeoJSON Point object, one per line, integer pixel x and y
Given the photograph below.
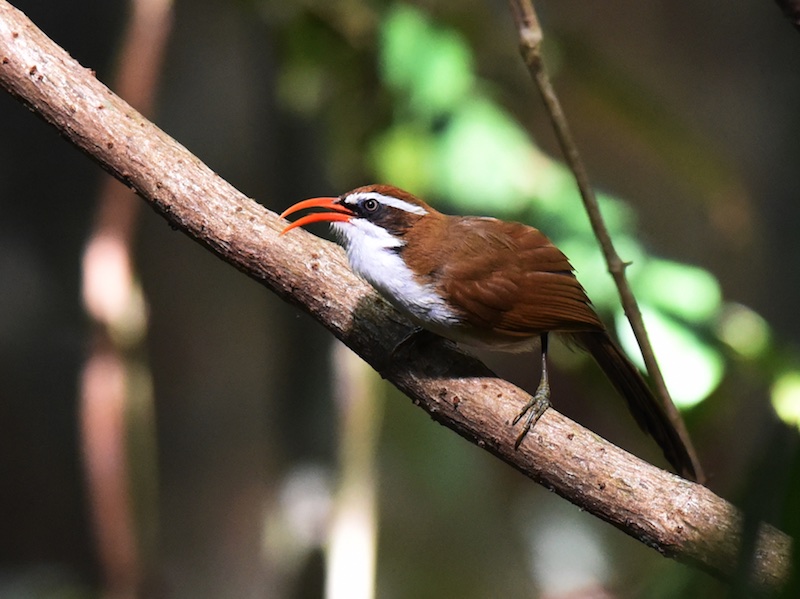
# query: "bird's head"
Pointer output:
{"type": "Point", "coordinates": [376, 212]}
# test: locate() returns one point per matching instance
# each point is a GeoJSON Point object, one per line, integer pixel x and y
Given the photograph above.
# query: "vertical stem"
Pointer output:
{"type": "Point", "coordinates": [531, 36]}
{"type": "Point", "coordinates": [113, 408]}
{"type": "Point", "coordinates": [352, 541]}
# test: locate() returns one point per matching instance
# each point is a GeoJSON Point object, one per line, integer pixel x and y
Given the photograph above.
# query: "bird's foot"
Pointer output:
{"type": "Point", "coordinates": [534, 409]}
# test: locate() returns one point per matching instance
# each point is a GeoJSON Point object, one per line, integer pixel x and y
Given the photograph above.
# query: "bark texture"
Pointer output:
{"type": "Point", "coordinates": [678, 518]}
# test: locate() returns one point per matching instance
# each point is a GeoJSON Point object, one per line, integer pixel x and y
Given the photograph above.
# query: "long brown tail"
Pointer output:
{"type": "Point", "coordinates": [644, 406]}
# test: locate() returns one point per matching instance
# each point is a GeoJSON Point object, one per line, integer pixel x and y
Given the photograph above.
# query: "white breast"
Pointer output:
{"type": "Point", "coordinates": [372, 253]}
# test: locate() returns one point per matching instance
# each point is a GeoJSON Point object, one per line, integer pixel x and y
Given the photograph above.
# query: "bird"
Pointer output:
{"type": "Point", "coordinates": [485, 283]}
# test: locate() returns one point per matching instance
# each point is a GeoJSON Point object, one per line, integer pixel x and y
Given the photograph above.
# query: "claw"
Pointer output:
{"type": "Point", "coordinates": [539, 402]}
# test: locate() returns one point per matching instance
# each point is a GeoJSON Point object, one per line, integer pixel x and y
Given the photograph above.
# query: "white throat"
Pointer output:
{"type": "Point", "coordinates": [371, 251]}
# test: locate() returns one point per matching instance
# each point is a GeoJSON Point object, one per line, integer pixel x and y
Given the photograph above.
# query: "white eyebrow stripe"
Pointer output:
{"type": "Point", "coordinates": [387, 201]}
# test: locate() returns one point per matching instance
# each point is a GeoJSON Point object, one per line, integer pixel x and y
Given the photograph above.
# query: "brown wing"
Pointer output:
{"type": "Point", "coordinates": [510, 277]}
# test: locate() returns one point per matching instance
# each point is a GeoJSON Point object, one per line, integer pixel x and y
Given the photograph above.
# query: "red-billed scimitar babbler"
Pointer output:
{"type": "Point", "coordinates": [486, 283]}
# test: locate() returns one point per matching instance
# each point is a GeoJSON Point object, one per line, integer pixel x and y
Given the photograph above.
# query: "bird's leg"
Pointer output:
{"type": "Point", "coordinates": [539, 402]}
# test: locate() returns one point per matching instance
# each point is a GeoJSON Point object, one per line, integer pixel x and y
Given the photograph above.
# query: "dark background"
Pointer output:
{"type": "Point", "coordinates": [690, 111]}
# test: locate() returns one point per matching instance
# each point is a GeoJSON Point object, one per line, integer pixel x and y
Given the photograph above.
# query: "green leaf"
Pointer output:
{"type": "Point", "coordinates": [685, 291]}
{"type": "Point", "coordinates": [403, 155]}
{"type": "Point", "coordinates": [433, 66]}
{"type": "Point", "coordinates": [484, 159]}
{"type": "Point", "coordinates": [743, 330]}
{"type": "Point", "coordinates": [692, 369]}
{"type": "Point", "coordinates": [786, 397]}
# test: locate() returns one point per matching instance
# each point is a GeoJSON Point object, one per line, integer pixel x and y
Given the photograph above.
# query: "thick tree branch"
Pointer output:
{"type": "Point", "coordinates": [678, 518]}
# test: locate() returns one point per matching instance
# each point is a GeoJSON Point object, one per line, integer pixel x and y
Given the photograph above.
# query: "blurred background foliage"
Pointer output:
{"type": "Point", "coordinates": [687, 118]}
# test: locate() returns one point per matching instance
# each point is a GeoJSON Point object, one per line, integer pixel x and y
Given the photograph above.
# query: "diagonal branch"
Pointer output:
{"type": "Point", "coordinates": [678, 518]}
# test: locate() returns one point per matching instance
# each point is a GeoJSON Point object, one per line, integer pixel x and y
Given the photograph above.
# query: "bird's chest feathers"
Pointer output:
{"type": "Point", "coordinates": [375, 255]}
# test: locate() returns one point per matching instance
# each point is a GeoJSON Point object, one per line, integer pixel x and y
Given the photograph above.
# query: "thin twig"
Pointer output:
{"type": "Point", "coordinates": [531, 36]}
{"type": "Point", "coordinates": [678, 518]}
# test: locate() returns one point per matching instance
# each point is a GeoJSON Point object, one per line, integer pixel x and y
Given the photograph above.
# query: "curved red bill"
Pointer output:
{"type": "Point", "coordinates": [336, 212]}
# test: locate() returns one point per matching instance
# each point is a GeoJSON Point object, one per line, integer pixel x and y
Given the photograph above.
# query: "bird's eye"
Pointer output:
{"type": "Point", "coordinates": [371, 205]}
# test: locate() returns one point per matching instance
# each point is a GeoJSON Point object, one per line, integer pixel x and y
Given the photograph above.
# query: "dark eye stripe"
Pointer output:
{"type": "Point", "coordinates": [360, 198]}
